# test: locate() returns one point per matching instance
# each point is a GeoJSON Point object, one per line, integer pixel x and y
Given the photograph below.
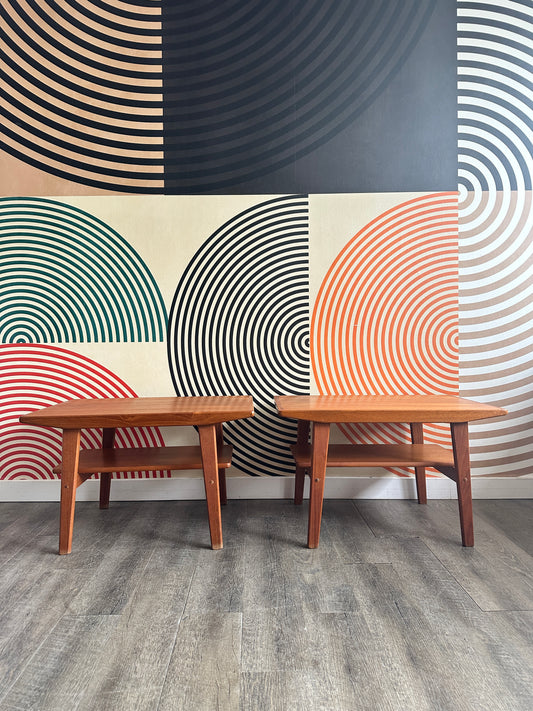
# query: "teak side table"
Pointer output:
{"type": "Point", "coordinates": [323, 410]}
{"type": "Point", "coordinates": [206, 413]}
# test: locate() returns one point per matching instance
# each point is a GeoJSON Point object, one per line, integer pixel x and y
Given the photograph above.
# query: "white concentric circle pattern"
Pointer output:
{"type": "Point", "coordinates": [496, 227]}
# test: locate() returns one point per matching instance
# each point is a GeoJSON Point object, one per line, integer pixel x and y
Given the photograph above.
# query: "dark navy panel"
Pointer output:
{"type": "Point", "coordinates": [270, 96]}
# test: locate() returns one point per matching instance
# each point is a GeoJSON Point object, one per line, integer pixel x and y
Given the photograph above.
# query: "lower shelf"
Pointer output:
{"type": "Point", "coordinates": [378, 455]}
{"type": "Point", "coordinates": [93, 461]}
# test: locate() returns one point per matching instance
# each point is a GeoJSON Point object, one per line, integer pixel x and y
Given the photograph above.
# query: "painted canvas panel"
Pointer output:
{"type": "Point", "coordinates": [231, 97]}
{"type": "Point", "coordinates": [261, 198]}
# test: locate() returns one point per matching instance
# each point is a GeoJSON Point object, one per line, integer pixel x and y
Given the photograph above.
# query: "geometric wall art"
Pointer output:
{"type": "Point", "coordinates": [385, 319]}
{"type": "Point", "coordinates": [239, 324]}
{"type": "Point", "coordinates": [36, 376]}
{"type": "Point", "coordinates": [228, 97]}
{"type": "Point", "coordinates": [251, 90]}
{"type": "Point", "coordinates": [267, 198]}
{"type": "Point", "coordinates": [84, 92]}
{"type": "Point", "coordinates": [496, 227]}
{"type": "Point", "coordinates": [67, 277]}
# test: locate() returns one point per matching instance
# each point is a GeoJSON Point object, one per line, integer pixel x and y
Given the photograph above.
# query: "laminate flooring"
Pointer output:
{"type": "Point", "coordinates": [389, 613]}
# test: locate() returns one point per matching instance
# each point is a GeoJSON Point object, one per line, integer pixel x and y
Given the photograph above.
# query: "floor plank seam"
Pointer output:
{"type": "Point", "coordinates": [361, 514]}
{"type": "Point", "coordinates": [165, 675]}
{"type": "Point", "coordinates": [508, 609]}
{"type": "Point", "coordinates": [450, 573]}
{"type": "Point", "coordinates": [183, 612]}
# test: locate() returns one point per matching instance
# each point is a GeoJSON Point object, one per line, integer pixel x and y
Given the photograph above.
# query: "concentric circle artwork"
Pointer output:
{"type": "Point", "coordinates": [84, 99]}
{"type": "Point", "coordinates": [172, 97]}
{"type": "Point", "coordinates": [385, 319]}
{"type": "Point", "coordinates": [36, 376]}
{"type": "Point", "coordinates": [280, 79]}
{"type": "Point", "coordinates": [239, 324]}
{"type": "Point", "coordinates": [495, 112]}
{"type": "Point", "coordinates": [67, 277]}
{"type": "Point", "coordinates": [495, 227]}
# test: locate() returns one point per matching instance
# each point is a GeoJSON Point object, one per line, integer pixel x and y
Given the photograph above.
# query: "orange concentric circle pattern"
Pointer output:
{"type": "Point", "coordinates": [386, 316]}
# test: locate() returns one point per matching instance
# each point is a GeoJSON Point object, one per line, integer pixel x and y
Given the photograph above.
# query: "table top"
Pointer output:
{"type": "Point", "coordinates": [384, 408]}
{"type": "Point", "coordinates": [142, 411]}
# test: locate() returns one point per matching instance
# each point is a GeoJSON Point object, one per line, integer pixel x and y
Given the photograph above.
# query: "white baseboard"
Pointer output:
{"type": "Point", "coordinates": [245, 487]}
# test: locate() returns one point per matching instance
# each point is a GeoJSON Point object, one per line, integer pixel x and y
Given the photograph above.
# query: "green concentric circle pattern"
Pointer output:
{"type": "Point", "coordinates": [67, 277]}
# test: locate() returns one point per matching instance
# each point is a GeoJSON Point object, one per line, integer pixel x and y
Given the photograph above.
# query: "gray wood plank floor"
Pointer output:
{"type": "Point", "coordinates": [389, 613]}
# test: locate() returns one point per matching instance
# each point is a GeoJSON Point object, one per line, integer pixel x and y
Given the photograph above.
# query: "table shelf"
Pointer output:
{"type": "Point", "coordinates": [378, 455]}
{"type": "Point", "coordinates": [94, 461]}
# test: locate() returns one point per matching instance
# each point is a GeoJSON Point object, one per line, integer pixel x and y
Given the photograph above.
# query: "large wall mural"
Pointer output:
{"type": "Point", "coordinates": [263, 197]}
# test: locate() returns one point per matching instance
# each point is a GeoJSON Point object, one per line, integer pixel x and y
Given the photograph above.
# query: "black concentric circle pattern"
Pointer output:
{"type": "Point", "coordinates": [239, 325]}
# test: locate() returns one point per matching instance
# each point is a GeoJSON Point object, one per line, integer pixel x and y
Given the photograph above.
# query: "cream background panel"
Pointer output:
{"type": "Point", "coordinates": [165, 230]}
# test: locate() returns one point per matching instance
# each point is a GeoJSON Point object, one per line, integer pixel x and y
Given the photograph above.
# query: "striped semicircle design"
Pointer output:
{"type": "Point", "coordinates": [36, 376]}
{"type": "Point", "coordinates": [385, 319]}
{"type": "Point", "coordinates": [250, 87]}
{"type": "Point", "coordinates": [495, 110]}
{"type": "Point", "coordinates": [66, 277]}
{"type": "Point", "coordinates": [190, 97]}
{"type": "Point", "coordinates": [84, 99]}
{"type": "Point", "coordinates": [239, 325]}
{"type": "Point", "coordinates": [496, 227]}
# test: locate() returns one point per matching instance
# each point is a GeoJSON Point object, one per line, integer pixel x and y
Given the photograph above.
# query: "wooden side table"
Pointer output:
{"type": "Point", "coordinates": [322, 410]}
{"type": "Point", "coordinates": [206, 413]}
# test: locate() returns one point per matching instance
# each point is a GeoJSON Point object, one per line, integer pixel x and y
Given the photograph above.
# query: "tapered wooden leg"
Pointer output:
{"type": "Point", "coordinates": [221, 471]}
{"type": "Point", "coordinates": [302, 437]}
{"type": "Point", "coordinates": [108, 442]}
{"type": "Point", "coordinates": [417, 437]}
{"type": "Point", "coordinates": [69, 484]}
{"type": "Point", "coordinates": [318, 476]}
{"type": "Point", "coordinates": [222, 487]}
{"type": "Point", "coordinates": [299, 481]}
{"type": "Point", "coordinates": [461, 453]}
{"type": "Point", "coordinates": [208, 444]}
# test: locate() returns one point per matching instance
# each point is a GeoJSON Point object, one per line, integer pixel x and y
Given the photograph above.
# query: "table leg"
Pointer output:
{"type": "Point", "coordinates": [461, 453]}
{"type": "Point", "coordinates": [417, 437]}
{"type": "Point", "coordinates": [318, 476]}
{"type": "Point", "coordinates": [302, 437]}
{"type": "Point", "coordinates": [69, 483]}
{"type": "Point", "coordinates": [221, 471]}
{"type": "Point", "coordinates": [108, 442]}
{"type": "Point", "coordinates": [208, 444]}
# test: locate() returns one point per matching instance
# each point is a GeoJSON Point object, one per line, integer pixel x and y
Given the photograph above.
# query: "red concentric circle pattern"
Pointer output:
{"type": "Point", "coordinates": [36, 376]}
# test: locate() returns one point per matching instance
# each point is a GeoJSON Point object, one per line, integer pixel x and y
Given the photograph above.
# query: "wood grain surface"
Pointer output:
{"type": "Point", "coordinates": [180, 457]}
{"type": "Point", "coordinates": [142, 411]}
{"type": "Point", "coordinates": [384, 408]}
{"type": "Point", "coordinates": [381, 455]}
